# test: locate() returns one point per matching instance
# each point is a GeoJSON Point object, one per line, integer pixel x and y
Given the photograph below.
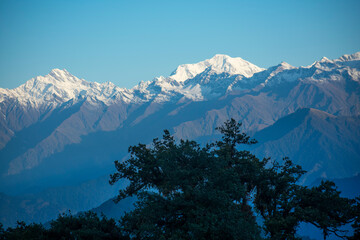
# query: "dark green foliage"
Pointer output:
{"type": "Point", "coordinates": [356, 223]}
{"type": "Point", "coordinates": [2, 232]}
{"type": "Point", "coordinates": [277, 199]}
{"type": "Point", "coordinates": [22, 231]}
{"type": "Point", "coordinates": [189, 192]}
{"type": "Point", "coordinates": [323, 207]}
{"type": "Point", "coordinates": [186, 191]}
{"type": "Point", "coordinates": [82, 226]}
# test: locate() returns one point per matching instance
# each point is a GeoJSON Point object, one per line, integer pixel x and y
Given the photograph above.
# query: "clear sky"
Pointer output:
{"type": "Point", "coordinates": [128, 41]}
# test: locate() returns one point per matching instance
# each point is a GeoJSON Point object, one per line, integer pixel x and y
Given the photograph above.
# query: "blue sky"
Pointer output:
{"type": "Point", "coordinates": [128, 41]}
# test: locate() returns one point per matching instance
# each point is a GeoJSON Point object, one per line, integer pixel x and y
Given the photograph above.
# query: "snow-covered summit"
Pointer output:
{"type": "Point", "coordinates": [196, 81]}
{"type": "Point", "coordinates": [207, 79]}
{"type": "Point", "coordinates": [326, 64]}
{"type": "Point", "coordinates": [62, 76]}
{"type": "Point", "coordinates": [325, 59]}
{"type": "Point", "coordinates": [219, 63]}
{"type": "Point", "coordinates": [352, 57]}
{"type": "Point", "coordinates": [60, 86]}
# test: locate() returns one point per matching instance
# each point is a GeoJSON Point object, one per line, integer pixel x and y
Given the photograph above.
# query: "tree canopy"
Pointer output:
{"type": "Point", "coordinates": [185, 192]}
{"type": "Point", "coordinates": [83, 226]}
{"type": "Point", "coordinates": [189, 191]}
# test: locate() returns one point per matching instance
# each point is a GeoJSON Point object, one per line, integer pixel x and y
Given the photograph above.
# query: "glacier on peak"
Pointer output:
{"type": "Point", "coordinates": [219, 63]}
{"type": "Point", "coordinates": [60, 86]}
{"type": "Point", "coordinates": [325, 59]}
{"type": "Point", "coordinates": [199, 81]}
{"type": "Point", "coordinates": [283, 66]}
{"type": "Point", "coordinates": [346, 57]}
{"type": "Point", "coordinates": [58, 73]}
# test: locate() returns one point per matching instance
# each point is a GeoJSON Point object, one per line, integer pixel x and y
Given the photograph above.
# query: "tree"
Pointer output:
{"type": "Point", "coordinates": [356, 223]}
{"type": "Point", "coordinates": [2, 232]}
{"type": "Point", "coordinates": [24, 231]}
{"type": "Point", "coordinates": [186, 191]}
{"type": "Point", "coordinates": [86, 225]}
{"type": "Point", "coordinates": [277, 200]}
{"type": "Point", "coordinates": [189, 192]}
{"type": "Point", "coordinates": [323, 207]}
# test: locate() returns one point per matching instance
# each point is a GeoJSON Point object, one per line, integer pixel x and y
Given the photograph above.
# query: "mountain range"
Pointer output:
{"type": "Point", "coordinates": [59, 130]}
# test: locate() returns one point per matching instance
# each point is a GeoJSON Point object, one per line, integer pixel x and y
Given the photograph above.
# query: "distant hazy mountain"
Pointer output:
{"type": "Point", "coordinates": [58, 130]}
{"type": "Point", "coordinates": [45, 205]}
{"type": "Point", "coordinates": [325, 145]}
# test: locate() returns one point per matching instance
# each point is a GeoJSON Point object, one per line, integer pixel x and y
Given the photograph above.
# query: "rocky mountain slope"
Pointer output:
{"type": "Point", "coordinates": [58, 130]}
{"type": "Point", "coordinates": [327, 146]}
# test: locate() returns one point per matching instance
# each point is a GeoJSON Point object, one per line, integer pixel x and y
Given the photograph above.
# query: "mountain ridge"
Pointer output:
{"type": "Point", "coordinates": [319, 131]}
{"type": "Point", "coordinates": [61, 85]}
{"type": "Point", "coordinates": [60, 88]}
{"type": "Point", "coordinates": [258, 101]}
{"type": "Point", "coordinates": [64, 130]}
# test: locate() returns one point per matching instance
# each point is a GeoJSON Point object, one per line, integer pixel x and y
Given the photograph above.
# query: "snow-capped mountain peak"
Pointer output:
{"type": "Point", "coordinates": [352, 57]}
{"type": "Point", "coordinates": [200, 81]}
{"type": "Point", "coordinates": [284, 66]}
{"type": "Point", "coordinates": [224, 63]}
{"type": "Point", "coordinates": [59, 74]}
{"type": "Point", "coordinates": [59, 83]}
{"type": "Point", "coordinates": [219, 63]}
{"type": "Point", "coordinates": [343, 60]}
{"type": "Point", "coordinates": [60, 86]}
{"type": "Point", "coordinates": [325, 59]}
